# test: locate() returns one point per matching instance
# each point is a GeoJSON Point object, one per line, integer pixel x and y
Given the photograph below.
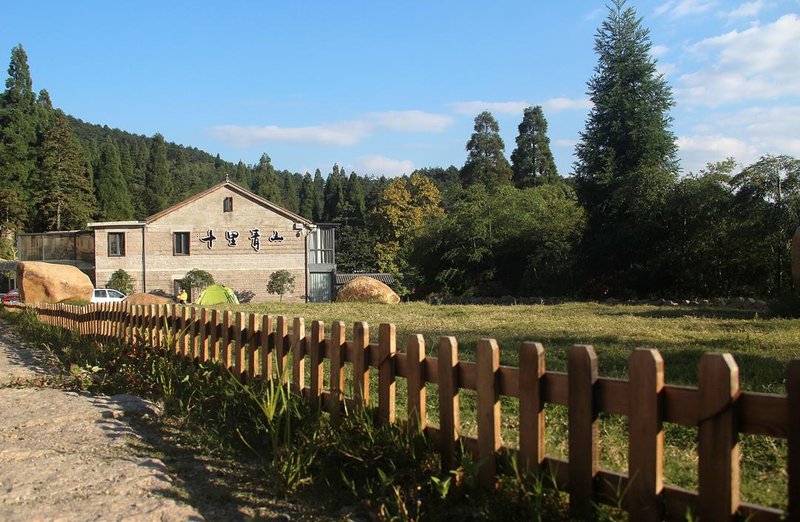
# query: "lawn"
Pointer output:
{"type": "Point", "coordinates": [761, 346]}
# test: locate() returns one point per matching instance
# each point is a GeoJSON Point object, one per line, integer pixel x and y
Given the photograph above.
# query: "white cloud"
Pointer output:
{"type": "Point", "coordinates": [476, 107]}
{"type": "Point", "coordinates": [659, 50]}
{"type": "Point", "coordinates": [334, 134]}
{"type": "Point", "coordinates": [411, 121]}
{"type": "Point", "coordinates": [382, 166]}
{"type": "Point", "coordinates": [681, 8]}
{"type": "Point", "coordinates": [667, 69]}
{"type": "Point", "coordinates": [515, 108]}
{"type": "Point", "coordinates": [757, 63]}
{"type": "Point", "coordinates": [745, 135]}
{"type": "Point", "coordinates": [566, 104]}
{"type": "Point", "coordinates": [697, 151]}
{"type": "Point", "coordinates": [746, 10]}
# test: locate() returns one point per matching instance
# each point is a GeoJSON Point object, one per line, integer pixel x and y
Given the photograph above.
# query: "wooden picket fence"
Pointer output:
{"type": "Point", "coordinates": [249, 343]}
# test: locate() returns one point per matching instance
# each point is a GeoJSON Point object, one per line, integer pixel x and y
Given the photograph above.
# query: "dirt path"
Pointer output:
{"type": "Point", "coordinates": [67, 456]}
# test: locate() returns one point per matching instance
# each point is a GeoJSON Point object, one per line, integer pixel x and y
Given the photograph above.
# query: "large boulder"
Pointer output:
{"type": "Point", "coordinates": [52, 283]}
{"type": "Point", "coordinates": [364, 289]}
{"type": "Point", "coordinates": [148, 299]}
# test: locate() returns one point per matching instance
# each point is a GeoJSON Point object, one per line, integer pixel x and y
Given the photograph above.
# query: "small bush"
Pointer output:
{"type": "Point", "coordinates": [280, 282]}
{"type": "Point", "coordinates": [122, 281]}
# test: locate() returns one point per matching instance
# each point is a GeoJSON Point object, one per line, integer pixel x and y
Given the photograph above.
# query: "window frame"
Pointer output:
{"type": "Point", "coordinates": [175, 250]}
{"type": "Point", "coordinates": [120, 243]}
{"type": "Point", "coordinates": [227, 204]}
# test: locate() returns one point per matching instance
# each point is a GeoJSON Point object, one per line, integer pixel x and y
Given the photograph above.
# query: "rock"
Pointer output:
{"type": "Point", "coordinates": [148, 299]}
{"type": "Point", "coordinates": [52, 283]}
{"type": "Point", "coordinates": [365, 289]}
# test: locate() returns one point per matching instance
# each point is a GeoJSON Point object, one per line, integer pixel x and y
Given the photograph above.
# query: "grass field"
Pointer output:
{"type": "Point", "coordinates": [761, 346]}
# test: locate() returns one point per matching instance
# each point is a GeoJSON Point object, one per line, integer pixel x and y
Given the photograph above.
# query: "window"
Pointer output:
{"type": "Point", "coordinates": [321, 248]}
{"type": "Point", "coordinates": [180, 243]}
{"type": "Point", "coordinates": [227, 205]}
{"type": "Point", "coordinates": [116, 244]}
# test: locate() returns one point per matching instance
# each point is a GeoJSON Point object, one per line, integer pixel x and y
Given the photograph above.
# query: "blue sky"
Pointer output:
{"type": "Point", "coordinates": [386, 87]}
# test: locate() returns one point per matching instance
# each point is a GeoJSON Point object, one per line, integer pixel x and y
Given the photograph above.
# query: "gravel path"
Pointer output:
{"type": "Point", "coordinates": [67, 456]}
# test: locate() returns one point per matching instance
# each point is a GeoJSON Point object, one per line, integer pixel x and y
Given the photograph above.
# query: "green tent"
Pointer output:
{"type": "Point", "coordinates": [216, 294]}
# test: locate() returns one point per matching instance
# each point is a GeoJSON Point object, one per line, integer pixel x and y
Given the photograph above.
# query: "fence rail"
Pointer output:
{"type": "Point", "coordinates": [247, 344]}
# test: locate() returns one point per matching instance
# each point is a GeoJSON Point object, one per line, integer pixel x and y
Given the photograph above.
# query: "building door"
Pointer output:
{"type": "Point", "coordinates": [320, 287]}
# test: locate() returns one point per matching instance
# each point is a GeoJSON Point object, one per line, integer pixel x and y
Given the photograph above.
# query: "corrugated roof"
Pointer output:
{"type": "Point", "coordinates": [343, 279]}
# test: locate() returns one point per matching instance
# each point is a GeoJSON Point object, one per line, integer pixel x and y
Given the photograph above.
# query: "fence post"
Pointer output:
{"type": "Point", "coordinates": [718, 445]}
{"type": "Point", "coordinates": [253, 326]}
{"type": "Point", "coordinates": [281, 333]}
{"type": "Point", "coordinates": [239, 347]}
{"type": "Point", "coordinates": [387, 343]}
{"type": "Point", "coordinates": [531, 406]}
{"type": "Point", "coordinates": [315, 349]}
{"type": "Point", "coordinates": [646, 435]}
{"type": "Point", "coordinates": [267, 347]}
{"type": "Point", "coordinates": [793, 393]}
{"type": "Point", "coordinates": [583, 431]}
{"type": "Point", "coordinates": [361, 364]}
{"type": "Point", "coordinates": [489, 442]}
{"type": "Point", "coordinates": [337, 368]}
{"type": "Point", "coordinates": [193, 351]}
{"type": "Point", "coordinates": [449, 403]}
{"type": "Point", "coordinates": [417, 394]}
{"type": "Point", "coordinates": [298, 355]}
{"type": "Point", "coordinates": [213, 335]}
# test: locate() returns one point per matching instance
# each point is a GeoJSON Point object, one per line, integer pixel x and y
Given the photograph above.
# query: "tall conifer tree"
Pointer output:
{"type": "Point", "coordinates": [158, 179]}
{"type": "Point", "coordinates": [307, 197]}
{"type": "Point", "coordinates": [319, 196]}
{"type": "Point", "coordinates": [532, 161]}
{"type": "Point", "coordinates": [64, 197]}
{"type": "Point", "coordinates": [627, 154]}
{"type": "Point", "coordinates": [113, 198]}
{"type": "Point", "coordinates": [485, 160]}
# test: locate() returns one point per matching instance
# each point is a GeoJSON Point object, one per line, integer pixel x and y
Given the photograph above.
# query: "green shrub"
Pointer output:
{"type": "Point", "coordinates": [122, 281]}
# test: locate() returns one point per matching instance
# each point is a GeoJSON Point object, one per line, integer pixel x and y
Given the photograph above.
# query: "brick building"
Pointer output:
{"type": "Point", "coordinates": [238, 237]}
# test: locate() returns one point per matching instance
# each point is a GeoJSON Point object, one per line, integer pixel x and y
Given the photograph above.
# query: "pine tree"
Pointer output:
{"type": "Point", "coordinates": [334, 195]}
{"type": "Point", "coordinates": [64, 197]}
{"type": "Point", "coordinates": [113, 198]}
{"type": "Point", "coordinates": [627, 154]}
{"type": "Point", "coordinates": [265, 180]}
{"type": "Point", "coordinates": [532, 161]}
{"type": "Point", "coordinates": [291, 194]}
{"type": "Point", "coordinates": [307, 197]}
{"type": "Point", "coordinates": [319, 197]}
{"type": "Point", "coordinates": [18, 138]}
{"type": "Point", "coordinates": [355, 206]}
{"type": "Point", "coordinates": [485, 162]}
{"type": "Point", "coordinates": [158, 180]}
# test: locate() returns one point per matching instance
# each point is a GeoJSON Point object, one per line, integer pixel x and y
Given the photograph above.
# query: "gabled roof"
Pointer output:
{"type": "Point", "coordinates": [288, 214]}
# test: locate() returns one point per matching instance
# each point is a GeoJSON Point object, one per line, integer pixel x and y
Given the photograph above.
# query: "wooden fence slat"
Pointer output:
{"type": "Point", "coordinates": [449, 402]}
{"type": "Point", "coordinates": [267, 347]}
{"type": "Point", "coordinates": [214, 335]}
{"type": "Point", "coordinates": [361, 364]}
{"type": "Point", "coordinates": [281, 340]}
{"type": "Point", "coordinates": [793, 393]}
{"type": "Point", "coordinates": [186, 339]}
{"type": "Point", "coordinates": [583, 431]}
{"type": "Point", "coordinates": [193, 349]}
{"type": "Point", "coordinates": [316, 347]}
{"type": "Point", "coordinates": [415, 380]}
{"type": "Point", "coordinates": [488, 417]}
{"type": "Point", "coordinates": [531, 406]}
{"type": "Point", "coordinates": [253, 330]}
{"type": "Point", "coordinates": [387, 342]}
{"type": "Point", "coordinates": [298, 355]}
{"type": "Point", "coordinates": [646, 435]}
{"type": "Point", "coordinates": [239, 346]}
{"type": "Point", "coordinates": [174, 319]}
{"type": "Point", "coordinates": [718, 445]}
{"type": "Point", "coordinates": [337, 368]}
{"type": "Point", "coordinates": [226, 357]}
{"type": "Point", "coordinates": [202, 334]}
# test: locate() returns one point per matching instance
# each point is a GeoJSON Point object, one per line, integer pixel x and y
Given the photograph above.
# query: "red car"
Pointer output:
{"type": "Point", "coordinates": [11, 297]}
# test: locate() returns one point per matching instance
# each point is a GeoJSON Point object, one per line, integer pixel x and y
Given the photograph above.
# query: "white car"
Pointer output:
{"type": "Point", "coordinates": [107, 295]}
